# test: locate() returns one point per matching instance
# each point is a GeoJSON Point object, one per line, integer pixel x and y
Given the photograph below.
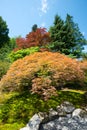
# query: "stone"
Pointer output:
{"type": "Point", "coordinates": [44, 116]}
{"type": "Point", "coordinates": [80, 113]}
{"type": "Point", "coordinates": [60, 111]}
{"type": "Point", "coordinates": [65, 128]}
{"type": "Point", "coordinates": [25, 128]}
{"type": "Point", "coordinates": [69, 115]}
{"type": "Point", "coordinates": [48, 126]}
{"type": "Point", "coordinates": [33, 123]}
{"type": "Point", "coordinates": [67, 107]}
{"type": "Point", "coordinates": [53, 114]}
{"type": "Point", "coordinates": [76, 112]}
{"type": "Point", "coordinates": [65, 117]}
{"type": "Point", "coordinates": [64, 123]}
{"type": "Point", "coordinates": [85, 108]}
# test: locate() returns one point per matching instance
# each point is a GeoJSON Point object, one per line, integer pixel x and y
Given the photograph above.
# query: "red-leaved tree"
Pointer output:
{"type": "Point", "coordinates": [38, 38]}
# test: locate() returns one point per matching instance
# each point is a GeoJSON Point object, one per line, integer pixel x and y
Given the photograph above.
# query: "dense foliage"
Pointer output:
{"type": "Point", "coordinates": [42, 73]}
{"type": "Point", "coordinates": [36, 38]}
{"type": "Point", "coordinates": [4, 66]}
{"type": "Point", "coordinates": [38, 76]}
{"type": "Point", "coordinates": [6, 49]}
{"type": "Point", "coordinates": [66, 36]}
{"type": "Point", "coordinates": [84, 67]}
{"type": "Point", "coordinates": [78, 40]}
{"type": "Point", "coordinates": [13, 56]}
{"type": "Point", "coordinates": [84, 56]}
{"type": "Point", "coordinates": [4, 38]}
{"type": "Point", "coordinates": [34, 27]}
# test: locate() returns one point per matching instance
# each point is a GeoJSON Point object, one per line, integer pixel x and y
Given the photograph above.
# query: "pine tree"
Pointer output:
{"type": "Point", "coordinates": [57, 34]}
{"type": "Point", "coordinates": [77, 39]}
{"type": "Point", "coordinates": [66, 37]}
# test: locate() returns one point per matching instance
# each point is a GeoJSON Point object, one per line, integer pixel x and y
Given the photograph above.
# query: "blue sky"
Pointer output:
{"type": "Point", "coordinates": [20, 15]}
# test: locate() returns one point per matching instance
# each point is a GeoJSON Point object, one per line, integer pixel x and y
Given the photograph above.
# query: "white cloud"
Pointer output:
{"type": "Point", "coordinates": [43, 24]}
{"type": "Point", "coordinates": [44, 7]}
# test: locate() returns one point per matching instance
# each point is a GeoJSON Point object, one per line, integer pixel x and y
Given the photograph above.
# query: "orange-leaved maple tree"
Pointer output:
{"type": "Point", "coordinates": [84, 67]}
{"type": "Point", "coordinates": [40, 37]}
{"type": "Point", "coordinates": [42, 73]}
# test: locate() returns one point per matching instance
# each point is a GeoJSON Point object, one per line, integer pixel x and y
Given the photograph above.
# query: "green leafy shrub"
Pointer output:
{"type": "Point", "coordinates": [42, 73]}
{"type": "Point", "coordinates": [6, 49]}
{"type": "Point", "coordinates": [4, 66]}
{"type": "Point", "coordinates": [13, 56]}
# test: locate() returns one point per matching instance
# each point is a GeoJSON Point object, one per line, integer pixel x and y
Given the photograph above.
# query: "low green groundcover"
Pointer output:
{"type": "Point", "coordinates": [16, 109]}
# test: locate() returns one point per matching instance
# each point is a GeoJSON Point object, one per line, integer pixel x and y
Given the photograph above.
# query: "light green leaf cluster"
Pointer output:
{"type": "Point", "coordinates": [13, 56]}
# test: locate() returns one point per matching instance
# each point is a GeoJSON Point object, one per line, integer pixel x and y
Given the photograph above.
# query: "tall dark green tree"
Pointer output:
{"type": "Point", "coordinates": [66, 36]}
{"type": "Point", "coordinates": [77, 40]}
{"type": "Point", "coordinates": [4, 38]}
{"type": "Point", "coordinates": [57, 34]}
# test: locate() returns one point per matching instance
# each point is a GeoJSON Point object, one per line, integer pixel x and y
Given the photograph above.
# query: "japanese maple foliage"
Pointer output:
{"type": "Point", "coordinates": [42, 73]}
{"type": "Point", "coordinates": [36, 38]}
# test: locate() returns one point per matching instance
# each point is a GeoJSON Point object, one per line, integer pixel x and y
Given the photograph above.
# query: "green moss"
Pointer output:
{"type": "Point", "coordinates": [19, 108]}
{"type": "Point", "coordinates": [14, 126]}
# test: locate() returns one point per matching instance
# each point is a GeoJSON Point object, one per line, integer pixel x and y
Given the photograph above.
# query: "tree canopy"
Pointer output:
{"type": "Point", "coordinates": [4, 38]}
{"type": "Point", "coordinates": [66, 36]}
{"type": "Point", "coordinates": [40, 37]}
{"type": "Point", "coordinates": [34, 27]}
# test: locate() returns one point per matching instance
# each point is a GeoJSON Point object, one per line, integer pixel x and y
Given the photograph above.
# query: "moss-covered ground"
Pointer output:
{"type": "Point", "coordinates": [16, 109]}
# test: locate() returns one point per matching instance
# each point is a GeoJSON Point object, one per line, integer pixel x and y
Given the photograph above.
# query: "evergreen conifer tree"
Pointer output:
{"type": "Point", "coordinates": [66, 37]}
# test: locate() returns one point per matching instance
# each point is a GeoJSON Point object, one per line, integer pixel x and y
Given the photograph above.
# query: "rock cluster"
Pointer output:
{"type": "Point", "coordinates": [65, 117]}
